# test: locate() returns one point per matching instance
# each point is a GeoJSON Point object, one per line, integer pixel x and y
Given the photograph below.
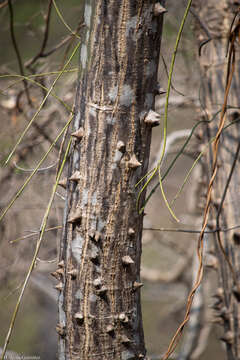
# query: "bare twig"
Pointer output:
{"type": "Point", "coordinates": [20, 64]}
{"type": "Point", "coordinates": [35, 233]}
{"type": "Point", "coordinates": [62, 42]}
{"type": "Point", "coordinates": [205, 28]}
{"type": "Point", "coordinates": [192, 231]}
{"type": "Point", "coordinates": [39, 170]}
{"type": "Point", "coordinates": [45, 37]}
{"type": "Point", "coordinates": [166, 69]}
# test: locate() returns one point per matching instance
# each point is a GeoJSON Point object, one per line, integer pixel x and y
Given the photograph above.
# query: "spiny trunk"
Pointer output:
{"type": "Point", "coordinates": [99, 301]}
{"type": "Point", "coordinates": [217, 17]}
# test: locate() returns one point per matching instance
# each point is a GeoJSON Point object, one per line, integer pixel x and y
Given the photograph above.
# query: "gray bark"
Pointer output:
{"type": "Point", "coordinates": [99, 269]}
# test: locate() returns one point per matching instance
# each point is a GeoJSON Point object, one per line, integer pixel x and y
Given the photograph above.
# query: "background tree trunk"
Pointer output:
{"type": "Point", "coordinates": [99, 302]}
{"type": "Point", "coordinates": [215, 20]}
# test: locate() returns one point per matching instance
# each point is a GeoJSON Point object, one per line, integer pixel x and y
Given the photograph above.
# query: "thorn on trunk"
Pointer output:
{"type": "Point", "coordinates": [123, 318]}
{"type": "Point", "coordinates": [55, 275]}
{"type": "Point", "coordinates": [133, 163]}
{"type": "Point", "coordinates": [76, 216]}
{"type": "Point", "coordinates": [78, 134]}
{"type": "Point", "coordinates": [125, 339]}
{"type": "Point", "coordinates": [94, 254]}
{"type": "Point", "coordinates": [236, 292]}
{"type": "Point", "coordinates": [110, 329]}
{"type": "Point", "coordinates": [61, 330]}
{"type": "Point", "coordinates": [131, 231]}
{"type": "Point", "coordinates": [102, 291]}
{"type": "Point", "coordinates": [127, 260]}
{"type": "Point", "coordinates": [228, 337]}
{"type": "Point", "coordinates": [137, 285]}
{"type": "Point", "coordinates": [159, 9]}
{"type": "Point", "coordinates": [63, 183]}
{"type": "Point", "coordinates": [95, 235]}
{"type": "Point", "coordinates": [79, 317]}
{"type": "Point", "coordinates": [97, 283]}
{"type": "Point", "coordinates": [75, 176]}
{"type": "Point", "coordinates": [159, 90]}
{"type": "Point", "coordinates": [60, 271]}
{"type": "Point", "coordinates": [121, 146]}
{"type": "Point", "coordinates": [224, 313]}
{"type": "Point", "coordinates": [219, 294]}
{"type": "Point", "coordinates": [59, 286]}
{"type": "Point", "coordinates": [236, 238]}
{"type": "Point", "coordinates": [73, 273]}
{"type": "Point", "coordinates": [152, 118]}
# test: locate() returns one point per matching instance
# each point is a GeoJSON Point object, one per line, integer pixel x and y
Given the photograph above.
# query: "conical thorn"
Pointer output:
{"type": "Point", "coordinates": [76, 216]}
{"type": "Point", "coordinates": [159, 90]}
{"type": "Point", "coordinates": [59, 286]}
{"type": "Point", "coordinates": [127, 260]}
{"type": "Point", "coordinates": [55, 275]}
{"type": "Point", "coordinates": [123, 317]}
{"type": "Point", "coordinates": [110, 329]}
{"type": "Point", "coordinates": [102, 291]}
{"type": "Point", "coordinates": [63, 183]}
{"type": "Point", "coordinates": [137, 285]}
{"type": "Point", "coordinates": [73, 273]}
{"type": "Point", "coordinates": [159, 9]}
{"type": "Point", "coordinates": [133, 163]}
{"type": "Point", "coordinates": [152, 118]}
{"type": "Point", "coordinates": [131, 231]}
{"type": "Point", "coordinates": [79, 317]}
{"type": "Point", "coordinates": [97, 283]}
{"type": "Point", "coordinates": [75, 176]}
{"type": "Point", "coordinates": [60, 271]}
{"type": "Point", "coordinates": [125, 339]}
{"type": "Point", "coordinates": [78, 134]}
{"type": "Point", "coordinates": [61, 264]}
{"type": "Point", "coordinates": [61, 330]}
{"type": "Point", "coordinates": [228, 337]}
{"type": "Point", "coordinates": [121, 146]}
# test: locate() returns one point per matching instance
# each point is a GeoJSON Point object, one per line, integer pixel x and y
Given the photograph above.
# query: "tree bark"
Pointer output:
{"type": "Point", "coordinates": [215, 18]}
{"type": "Point", "coordinates": [99, 269]}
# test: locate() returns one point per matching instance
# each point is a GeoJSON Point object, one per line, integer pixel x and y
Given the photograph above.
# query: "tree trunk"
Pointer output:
{"type": "Point", "coordinates": [99, 301]}
{"type": "Point", "coordinates": [215, 18]}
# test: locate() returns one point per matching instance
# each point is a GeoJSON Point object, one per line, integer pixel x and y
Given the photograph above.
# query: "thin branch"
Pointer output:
{"type": "Point", "coordinates": [45, 37]}
{"type": "Point", "coordinates": [191, 231]}
{"type": "Point", "coordinates": [205, 28]}
{"type": "Point", "coordinates": [63, 42]}
{"type": "Point", "coordinates": [39, 170]}
{"type": "Point", "coordinates": [35, 233]}
{"type": "Point", "coordinates": [63, 21]}
{"type": "Point", "coordinates": [14, 42]}
{"type": "Point", "coordinates": [5, 3]}
{"type": "Point", "coordinates": [166, 69]}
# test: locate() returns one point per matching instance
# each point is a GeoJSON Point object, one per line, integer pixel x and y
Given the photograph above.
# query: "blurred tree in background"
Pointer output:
{"type": "Point", "coordinates": [119, 69]}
